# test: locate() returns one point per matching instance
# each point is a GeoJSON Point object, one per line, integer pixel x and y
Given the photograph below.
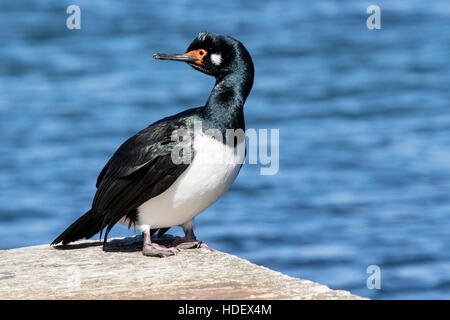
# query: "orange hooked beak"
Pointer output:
{"type": "Point", "coordinates": [194, 56]}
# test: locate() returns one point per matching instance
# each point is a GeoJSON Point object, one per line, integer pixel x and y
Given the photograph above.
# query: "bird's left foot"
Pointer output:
{"type": "Point", "coordinates": [156, 250]}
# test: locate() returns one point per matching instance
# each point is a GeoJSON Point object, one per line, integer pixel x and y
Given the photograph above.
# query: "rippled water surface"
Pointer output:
{"type": "Point", "coordinates": [363, 116]}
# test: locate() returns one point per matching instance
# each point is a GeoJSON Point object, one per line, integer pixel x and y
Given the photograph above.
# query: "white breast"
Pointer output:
{"type": "Point", "coordinates": [211, 173]}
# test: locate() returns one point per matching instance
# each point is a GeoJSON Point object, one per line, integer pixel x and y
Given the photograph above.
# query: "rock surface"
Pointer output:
{"type": "Point", "coordinates": [84, 271]}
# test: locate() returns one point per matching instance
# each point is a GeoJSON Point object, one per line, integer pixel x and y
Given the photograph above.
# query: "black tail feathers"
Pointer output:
{"type": "Point", "coordinates": [85, 227]}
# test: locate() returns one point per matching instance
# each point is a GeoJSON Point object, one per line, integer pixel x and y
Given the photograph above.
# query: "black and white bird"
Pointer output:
{"type": "Point", "coordinates": [143, 185]}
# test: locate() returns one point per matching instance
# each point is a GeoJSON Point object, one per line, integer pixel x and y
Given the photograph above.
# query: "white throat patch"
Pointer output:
{"type": "Point", "coordinates": [216, 58]}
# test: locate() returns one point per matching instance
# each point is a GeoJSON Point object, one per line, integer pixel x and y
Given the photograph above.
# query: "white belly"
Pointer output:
{"type": "Point", "coordinates": [211, 173]}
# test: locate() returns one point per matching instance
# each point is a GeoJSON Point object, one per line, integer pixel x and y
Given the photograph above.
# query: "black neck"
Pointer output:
{"type": "Point", "coordinates": [225, 105]}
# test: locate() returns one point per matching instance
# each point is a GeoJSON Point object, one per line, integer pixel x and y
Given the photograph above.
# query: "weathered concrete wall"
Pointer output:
{"type": "Point", "coordinates": [85, 271]}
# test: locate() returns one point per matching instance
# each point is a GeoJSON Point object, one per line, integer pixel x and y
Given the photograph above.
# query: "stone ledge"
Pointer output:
{"type": "Point", "coordinates": [85, 271]}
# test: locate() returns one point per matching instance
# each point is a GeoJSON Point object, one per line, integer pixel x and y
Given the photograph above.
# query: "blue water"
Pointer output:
{"type": "Point", "coordinates": [363, 116]}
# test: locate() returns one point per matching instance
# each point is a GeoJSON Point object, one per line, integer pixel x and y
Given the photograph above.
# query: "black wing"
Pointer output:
{"type": "Point", "coordinates": [140, 169]}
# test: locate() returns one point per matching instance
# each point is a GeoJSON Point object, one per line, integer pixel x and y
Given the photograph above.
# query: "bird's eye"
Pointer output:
{"type": "Point", "coordinates": [202, 52]}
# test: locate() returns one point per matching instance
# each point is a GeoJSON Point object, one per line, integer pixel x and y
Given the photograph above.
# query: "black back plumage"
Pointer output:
{"type": "Point", "coordinates": [142, 168]}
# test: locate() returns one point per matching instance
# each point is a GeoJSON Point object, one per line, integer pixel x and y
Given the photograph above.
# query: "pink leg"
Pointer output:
{"type": "Point", "coordinates": [156, 250]}
{"type": "Point", "coordinates": [189, 241]}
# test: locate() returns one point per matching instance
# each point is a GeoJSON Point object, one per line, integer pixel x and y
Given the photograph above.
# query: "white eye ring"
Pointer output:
{"type": "Point", "coordinates": [216, 58]}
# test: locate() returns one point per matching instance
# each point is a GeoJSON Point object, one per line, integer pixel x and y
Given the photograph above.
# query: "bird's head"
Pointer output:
{"type": "Point", "coordinates": [214, 54]}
